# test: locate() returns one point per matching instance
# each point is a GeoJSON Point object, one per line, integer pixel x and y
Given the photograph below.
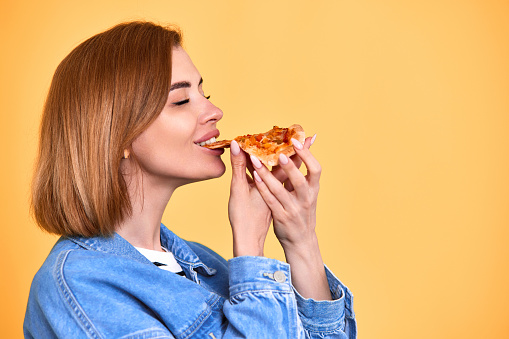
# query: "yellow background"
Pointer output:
{"type": "Point", "coordinates": [410, 103]}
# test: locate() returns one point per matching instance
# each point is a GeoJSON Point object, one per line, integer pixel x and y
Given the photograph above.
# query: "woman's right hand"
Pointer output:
{"type": "Point", "coordinates": [249, 215]}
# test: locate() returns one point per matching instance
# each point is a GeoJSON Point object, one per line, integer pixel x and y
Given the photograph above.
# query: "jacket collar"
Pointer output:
{"type": "Point", "coordinates": [117, 245]}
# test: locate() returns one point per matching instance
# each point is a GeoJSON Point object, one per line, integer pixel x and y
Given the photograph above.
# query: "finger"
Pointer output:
{"type": "Point", "coordinates": [309, 141]}
{"type": "Point", "coordinates": [281, 175]}
{"type": "Point", "coordinates": [274, 185]}
{"type": "Point", "coordinates": [272, 202]}
{"type": "Point", "coordinates": [314, 169]}
{"type": "Point", "coordinates": [238, 161]}
{"type": "Point", "coordinates": [297, 180]}
{"type": "Point", "coordinates": [278, 173]}
{"type": "Point", "coordinates": [249, 164]}
{"type": "Point", "coordinates": [295, 158]}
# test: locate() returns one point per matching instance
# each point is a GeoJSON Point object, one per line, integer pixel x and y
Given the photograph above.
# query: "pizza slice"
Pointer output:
{"type": "Point", "coordinates": [269, 145]}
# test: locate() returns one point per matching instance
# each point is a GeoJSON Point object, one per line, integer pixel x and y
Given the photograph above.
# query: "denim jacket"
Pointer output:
{"type": "Point", "coordinates": [104, 288]}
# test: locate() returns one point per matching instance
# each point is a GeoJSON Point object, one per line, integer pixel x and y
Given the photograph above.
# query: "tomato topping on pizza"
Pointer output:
{"type": "Point", "coordinates": [267, 146]}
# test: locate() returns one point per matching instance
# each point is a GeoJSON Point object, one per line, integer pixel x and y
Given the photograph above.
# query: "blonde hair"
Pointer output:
{"type": "Point", "coordinates": [103, 95]}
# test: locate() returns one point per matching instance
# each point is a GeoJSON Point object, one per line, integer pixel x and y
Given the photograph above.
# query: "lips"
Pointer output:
{"type": "Point", "coordinates": [208, 142]}
{"type": "Point", "coordinates": [207, 138]}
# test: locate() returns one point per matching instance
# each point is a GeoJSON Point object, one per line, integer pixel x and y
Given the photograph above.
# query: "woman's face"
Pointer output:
{"type": "Point", "coordinates": [168, 150]}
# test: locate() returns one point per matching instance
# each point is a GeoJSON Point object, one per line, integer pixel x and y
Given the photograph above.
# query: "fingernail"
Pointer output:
{"type": "Point", "coordinates": [257, 177]}
{"type": "Point", "coordinates": [234, 147]}
{"type": "Point", "coordinates": [256, 162]}
{"type": "Point", "coordinates": [296, 143]}
{"type": "Point", "coordinates": [313, 139]}
{"type": "Point", "coordinates": [283, 159]}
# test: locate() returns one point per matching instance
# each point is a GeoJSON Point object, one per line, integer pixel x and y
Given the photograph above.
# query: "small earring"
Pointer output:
{"type": "Point", "coordinates": [126, 154]}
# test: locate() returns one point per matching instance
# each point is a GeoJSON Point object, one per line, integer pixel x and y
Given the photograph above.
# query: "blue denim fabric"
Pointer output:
{"type": "Point", "coordinates": [104, 288]}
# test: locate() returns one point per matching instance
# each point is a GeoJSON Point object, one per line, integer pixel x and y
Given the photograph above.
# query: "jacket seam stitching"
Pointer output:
{"type": "Point", "coordinates": [294, 313]}
{"type": "Point", "coordinates": [149, 333]}
{"type": "Point", "coordinates": [81, 244]}
{"type": "Point", "coordinates": [334, 326]}
{"type": "Point", "coordinates": [261, 290]}
{"type": "Point", "coordinates": [71, 299]}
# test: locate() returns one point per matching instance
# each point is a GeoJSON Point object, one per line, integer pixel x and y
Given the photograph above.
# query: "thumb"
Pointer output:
{"type": "Point", "coordinates": [238, 160]}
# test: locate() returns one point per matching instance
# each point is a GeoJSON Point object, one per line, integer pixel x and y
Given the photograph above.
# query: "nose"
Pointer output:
{"type": "Point", "coordinates": [210, 113]}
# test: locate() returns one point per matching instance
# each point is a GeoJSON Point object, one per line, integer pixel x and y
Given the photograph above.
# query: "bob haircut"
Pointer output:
{"type": "Point", "coordinates": [103, 95]}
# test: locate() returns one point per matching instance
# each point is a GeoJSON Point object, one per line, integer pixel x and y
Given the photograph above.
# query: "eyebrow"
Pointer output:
{"type": "Point", "coordinates": [183, 84]}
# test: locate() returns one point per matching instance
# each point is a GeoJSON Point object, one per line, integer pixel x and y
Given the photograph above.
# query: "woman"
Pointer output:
{"type": "Point", "coordinates": [120, 132]}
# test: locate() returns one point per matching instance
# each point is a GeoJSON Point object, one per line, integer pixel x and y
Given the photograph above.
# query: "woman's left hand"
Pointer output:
{"type": "Point", "coordinates": [294, 217]}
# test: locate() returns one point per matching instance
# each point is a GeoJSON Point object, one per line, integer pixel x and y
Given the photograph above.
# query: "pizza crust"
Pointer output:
{"type": "Point", "coordinates": [219, 144]}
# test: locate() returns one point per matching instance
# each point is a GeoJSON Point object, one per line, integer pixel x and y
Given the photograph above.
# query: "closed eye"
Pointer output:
{"type": "Point", "coordinates": [182, 102]}
{"type": "Point", "coordinates": [179, 103]}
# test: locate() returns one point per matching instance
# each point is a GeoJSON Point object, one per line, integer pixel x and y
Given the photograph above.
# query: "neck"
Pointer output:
{"type": "Point", "coordinates": [148, 201]}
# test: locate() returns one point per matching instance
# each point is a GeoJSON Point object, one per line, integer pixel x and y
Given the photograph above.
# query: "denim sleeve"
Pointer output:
{"type": "Point", "coordinates": [320, 317]}
{"type": "Point", "coordinates": [264, 304]}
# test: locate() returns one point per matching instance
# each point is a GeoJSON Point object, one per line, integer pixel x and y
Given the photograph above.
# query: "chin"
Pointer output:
{"type": "Point", "coordinates": [214, 171]}
{"type": "Point", "coordinates": [219, 171]}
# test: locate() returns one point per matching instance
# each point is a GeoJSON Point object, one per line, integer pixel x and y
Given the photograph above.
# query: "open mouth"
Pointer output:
{"type": "Point", "coordinates": [206, 142]}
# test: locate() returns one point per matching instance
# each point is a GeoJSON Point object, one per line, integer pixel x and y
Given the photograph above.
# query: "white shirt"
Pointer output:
{"type": "Point", "coordinates": [164, 260]}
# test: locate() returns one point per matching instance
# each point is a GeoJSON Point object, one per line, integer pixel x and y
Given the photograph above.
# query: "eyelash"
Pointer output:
{"type": "Point", "coordinates": [180, 103]}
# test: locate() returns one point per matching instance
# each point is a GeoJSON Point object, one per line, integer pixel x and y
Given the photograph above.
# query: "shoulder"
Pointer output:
{"type": "Point", "coordinates": [47, 276]}
{"type": "Point", "coordinates": [50, 298]}
{"type": "Point", "coordinates": [75, 288]}
{"type": "Point", "coordinates": [66, 264]}
{"type": "Point", "coordinates": [72, 274]}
